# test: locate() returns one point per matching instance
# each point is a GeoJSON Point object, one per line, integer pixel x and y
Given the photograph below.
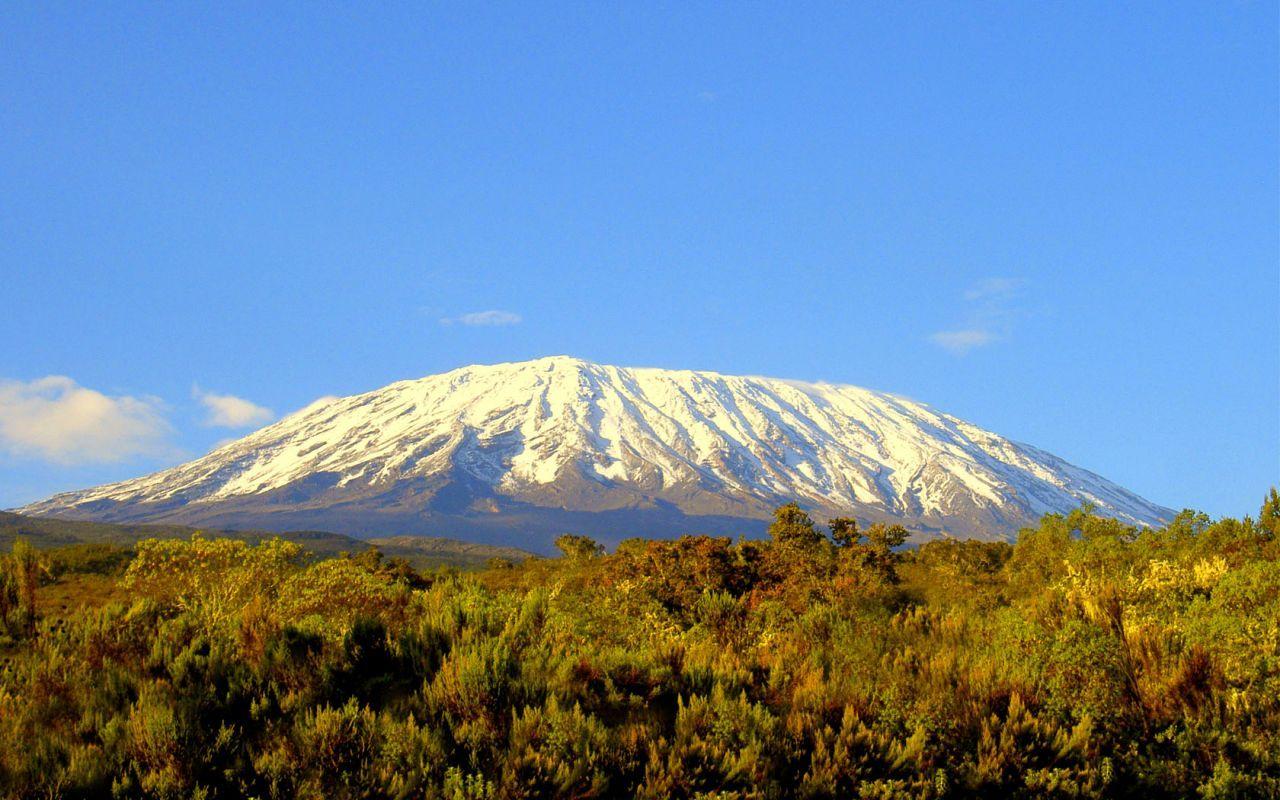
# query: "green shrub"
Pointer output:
{"type": "Point", "coordinates": [1088, 660]}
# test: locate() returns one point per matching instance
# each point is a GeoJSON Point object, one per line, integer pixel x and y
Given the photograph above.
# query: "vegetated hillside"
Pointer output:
{"type": "Point", "coordinates": [1090, 659]}
{"type": "Point", "coordinates": [518, 453]}
{"type": "Point", "coordinates": [435, 549]}
{"type": "Point", "coordinates": [46, 533]}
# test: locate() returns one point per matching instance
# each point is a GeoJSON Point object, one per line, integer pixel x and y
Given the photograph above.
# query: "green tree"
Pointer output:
{"type": "Point", "coordinates": [867, 552]}
{"type": "Point", "coordinates": [882, 539]}
{"type": "Point", "coordinates": [792, 526]}
{"type": "Point", "coordinates": [844, 531]}
{"type": "Point", "coordinates": [370, 559]}
{"type": "Point", "coordinates": [1269, 516]}
{"type": "Point", "coordinates": [578, 548]}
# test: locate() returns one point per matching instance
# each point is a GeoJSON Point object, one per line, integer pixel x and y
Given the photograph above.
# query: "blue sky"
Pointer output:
{"type": "Point", "coordinates": [1058, 221]}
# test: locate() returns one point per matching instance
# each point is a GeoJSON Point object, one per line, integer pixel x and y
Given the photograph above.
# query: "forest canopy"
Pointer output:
{"type": "Point", "coordinates": [1088, 659]}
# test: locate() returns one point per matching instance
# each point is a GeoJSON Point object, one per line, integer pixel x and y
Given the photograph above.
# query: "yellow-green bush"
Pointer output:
{"type": "Point", "coordinates": [1089, 659]}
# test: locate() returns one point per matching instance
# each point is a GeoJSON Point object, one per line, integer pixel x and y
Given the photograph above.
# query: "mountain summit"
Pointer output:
{"type": "Point", "coordinates": [519, 452]}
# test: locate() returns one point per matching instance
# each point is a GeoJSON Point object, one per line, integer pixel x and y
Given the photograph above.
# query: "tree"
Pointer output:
{"type": "Point", "coordinates": [370, 559]}
{"type": "Point", "coordinates": [792, 526]}
{"type": "Point", "coordinates": [869, 551]}
{"type": "Point", "coordinates": [883, 538]}
{"type": "Point", "coordinates": [844, 531]}
{"type": "Point", "coordinates": [1269, 516]}
{"type": "Point", "coordinates": [578, 548]}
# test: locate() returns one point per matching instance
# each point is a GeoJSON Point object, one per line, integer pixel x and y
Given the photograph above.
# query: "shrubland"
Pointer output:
{"type": "Point", "coordinates": [1088, 659]}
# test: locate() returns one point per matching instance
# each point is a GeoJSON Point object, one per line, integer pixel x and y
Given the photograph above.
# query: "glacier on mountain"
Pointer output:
{"type": "Point", "coordinates": [466, 447]}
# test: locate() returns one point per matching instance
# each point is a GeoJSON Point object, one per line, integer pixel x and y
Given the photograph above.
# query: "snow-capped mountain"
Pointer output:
{"type": "Point", "coordinates": [521, 451]}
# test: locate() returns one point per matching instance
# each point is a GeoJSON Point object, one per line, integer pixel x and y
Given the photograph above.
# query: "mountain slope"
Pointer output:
{"type": "Point", "coordinates": [515, 452]}
{"type": "Point", "coordinates": [421, 551]}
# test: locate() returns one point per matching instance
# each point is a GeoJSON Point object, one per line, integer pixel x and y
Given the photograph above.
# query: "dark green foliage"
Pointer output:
{"type": "Point", "coordinates": [1088, 660]}
{"type": "Point", "coordinates": [792, 527]}
{"type": "Point", "coordinates": [1269, 516]}
{"type": "Point", "coordinates": [87, 559]}
{"type": "Point", "coordinates": [844, 531]}
{"type": "Point", "coordinates": [578, 547]}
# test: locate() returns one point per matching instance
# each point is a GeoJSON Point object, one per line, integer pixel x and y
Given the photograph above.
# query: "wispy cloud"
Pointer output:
{"type": "Point", "coordinates": [229, 411]}
{"type": "Point", "coordinates": [491, 318]}
{"type": "Point", "coordinates": [990, 309]}
{"type": "Point", "coordinates": [1002, 288]}
{"type": "Point", "coordinates": [55, 419]}
{"type": "Point", "coordinates": [962, 341]}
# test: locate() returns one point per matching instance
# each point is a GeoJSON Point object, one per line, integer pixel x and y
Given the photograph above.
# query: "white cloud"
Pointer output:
{"type": "Point", "coordinates": [961, 342]}
{"type": "Point", "coordinates": [990, 309]}
{"type": "Point", "coordinates": [58, 420]}
{"type": "Point", "coordinates": [492, 317]}
{"type": "Point", "coordinates": [994, 287]}
{"type": "Point", "coordinates": [229, 411]}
